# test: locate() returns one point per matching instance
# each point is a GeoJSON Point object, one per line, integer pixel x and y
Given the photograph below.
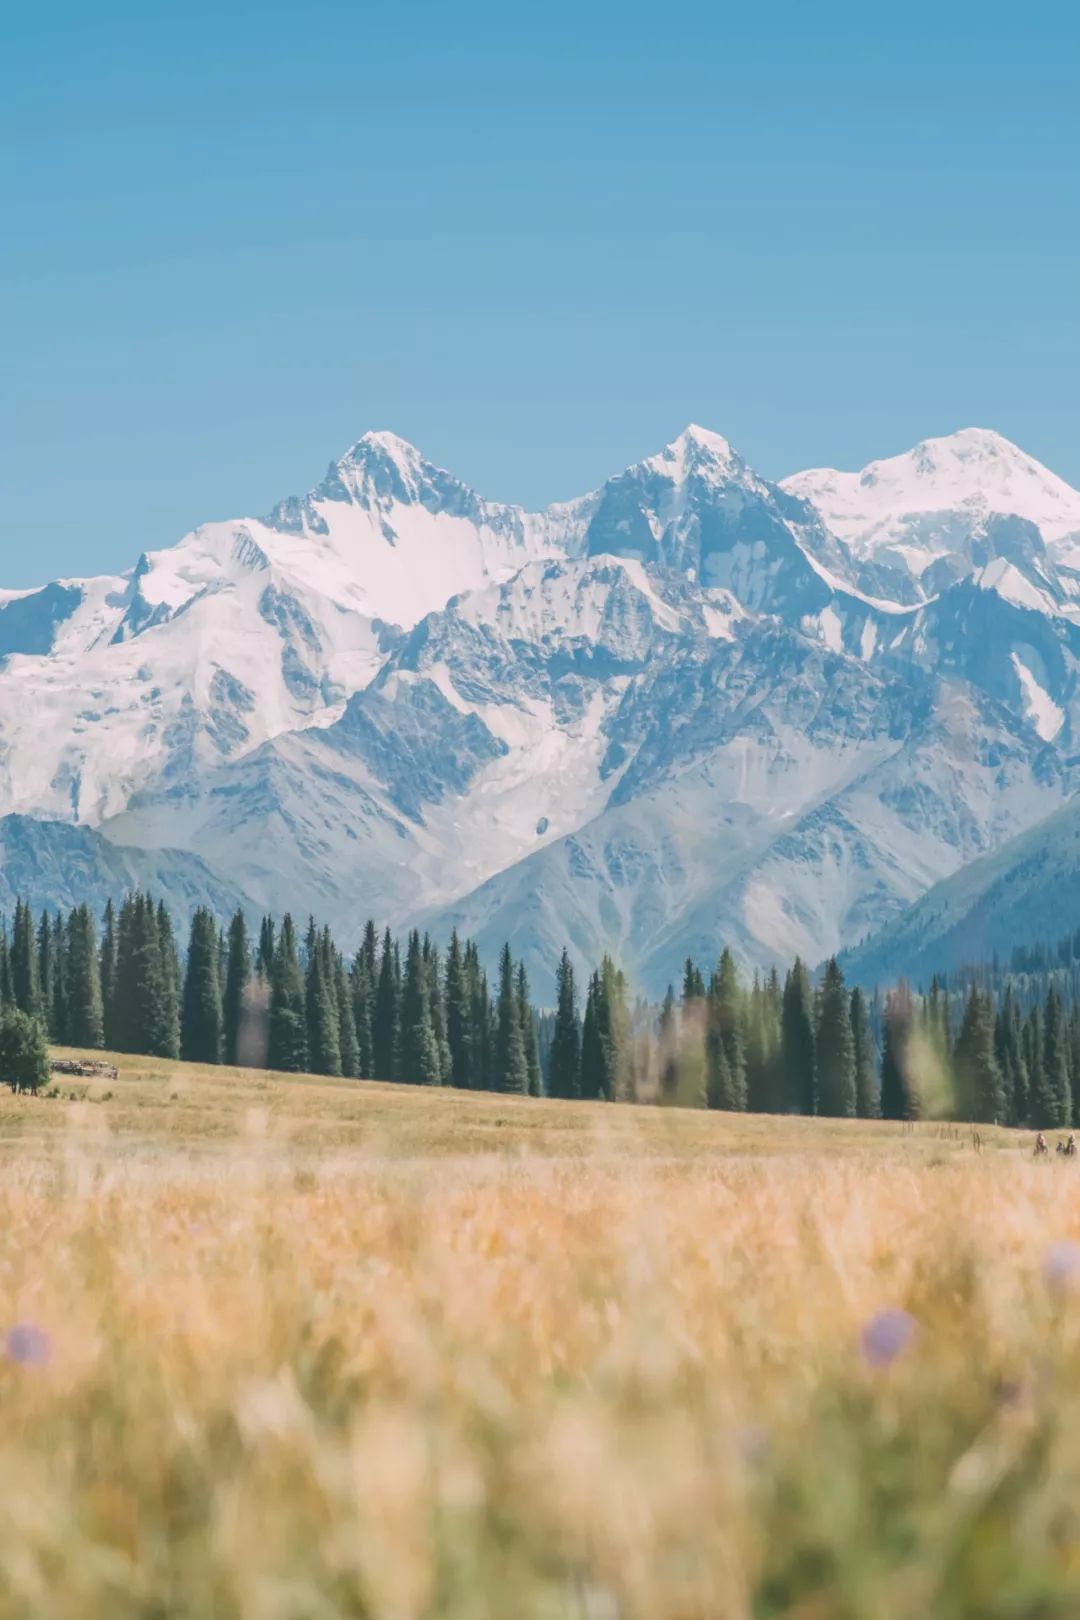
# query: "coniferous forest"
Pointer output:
{"type": "Point", "coordinates": [995, 1047]}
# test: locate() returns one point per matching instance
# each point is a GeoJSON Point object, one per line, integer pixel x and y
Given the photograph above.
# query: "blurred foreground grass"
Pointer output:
{"type": "Point", "coordinates": [296, 1350]}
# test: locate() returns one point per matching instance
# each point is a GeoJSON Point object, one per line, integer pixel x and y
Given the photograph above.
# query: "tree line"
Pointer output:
{"type": "Point", "coordinates": [275, 1001]}
{"type": "Point", "coordinates": [413, 1013]}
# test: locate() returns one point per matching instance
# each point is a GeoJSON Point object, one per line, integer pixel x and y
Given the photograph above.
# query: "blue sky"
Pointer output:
{"type": "Point", "coordinates": [536, 241]}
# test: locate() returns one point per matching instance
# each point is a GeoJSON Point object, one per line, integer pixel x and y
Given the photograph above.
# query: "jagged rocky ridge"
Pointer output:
{"type": "Point", "coordinates": [691, 707]}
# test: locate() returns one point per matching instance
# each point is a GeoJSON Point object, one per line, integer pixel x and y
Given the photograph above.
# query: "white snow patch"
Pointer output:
{"type": "Point", "coordinates": [1039, 706]}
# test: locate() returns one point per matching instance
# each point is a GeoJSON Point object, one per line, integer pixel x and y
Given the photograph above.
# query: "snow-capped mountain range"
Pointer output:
{"type": "Point", "coordinates": [690, 707]}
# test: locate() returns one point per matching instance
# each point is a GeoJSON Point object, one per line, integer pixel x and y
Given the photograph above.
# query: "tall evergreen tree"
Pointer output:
{"type": "Point", "coordinates": [168, 1036]}
{"type": "Point", "coordinates": [24, 962]}
{"type": "Point", "coordinates": [46, 974]}
{"type": "Point", "coordinates": [900, 1097]}
{"type": "Point", "coordinates": [528, 1032]}
{"type": "Point", "coordinates": [107, 975]}
{"type": "Point", "coordinates": [980, 1093]}
{"type": "Point", "coordinates": [1052, 1105]}
{"type": "Point", "coordinates": [419, 1048]}
{"type": "Point", "coordinates": [237, 980]}
{"type": "Point", "coordinates": [320, 1001]}
{"type": "Point", "coordinates": [797, 1058]}
{"type": "Point", "coordinates": [201, 1020]}
{"type": "Point", "coordinates": [511, 1067]}
{"type": "Point", "coordinates": [867, 1098]}
{"type": "Point", "coordinates": [724, 1042]}
{"type": "Point", "coordinates": [564, 1069]}
{"type": "Point", "coordinates": [458, 1015]}
{"type": "Point", "coordinates": [59, 1022]}
{"type": "Point", "coordinates": [264, 953]}
{"type": "Point", "coordinates": [287, 1049]}
{"type": "Point", "coordinates": [386, 1023]}
{"type": "Point", "coordinates": [85, 1013]}
{"type": "Point", "coordinates": [363, 995]}
{"type": "Point", "coordinates": [835, 1047]}
{"type": "Point", "coordinates": [438, 1010]}
{"type": "Point", "coordinates": [346, 1005]}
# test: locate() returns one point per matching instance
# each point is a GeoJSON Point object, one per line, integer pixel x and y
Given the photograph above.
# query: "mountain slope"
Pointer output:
{"type": "Point", "coordinates": [690, 707]}
{"type": "Point", "coordinates": [1025, 892]}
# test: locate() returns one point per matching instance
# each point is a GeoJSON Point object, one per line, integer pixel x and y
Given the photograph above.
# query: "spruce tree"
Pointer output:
{"type": "Point", "coordinates": [350, 1046]}
{"type": "Point", "coordinates": [1052, 1106]}
{"type": "Point", "coordinates": [564, 1068]}
{"type": "Point", "coordinates": [725, 1044]}
{"type": "Point", "coordinates": [438, 1010]}
{"type": "Point", "coordinates": [458, 1019]}
{"type": "Point", "coordinates": [85, 1013]}
{"type": "Point", "coordinates": [320, 1001]}
{"type": "Point", "coordinates": [693, 1039]}
{"type": "Point", "coordinates": [419, 1047]}
{"type": "Point", "coordinates": [287, 1048]}
{"type": "Point", "coordinates": [511, 1066]}
{"type": "Point", "coordinates": [363, 997]}
{"type": "Point", "coordinates": [980, 1093]}
{"type": "Point", "coordinates": [593, 1065]}
{"type": "Point", "coordinates": [528, 1032]}
{"type": "Point", "coordinates": [201, 1021]}
{"type": "Point", "coordinates": [797, 1059]}
{"type": "Point", "coordinates": [264, 953]}
{"type": "Point", "coordinates": [237, 981]}
{"type": "Point", "coordinates": [900, 1097]}
{"type": "Point", "coordinates": [835, 1048]}
{"type": "Point", "coordinates": [107, 975]}
{"type": "Point", "coordinates": [667, 1039]}
{"type": "Point", "coordinates": [59, 1022]}
{"type": "Point", "coordinates": [45, 974]}
{"type": "Point", "coordinates": [867, 1098]}
{"type": "Point", "coordinates": [386, 1027]}
{"type": "Point", "coordinates": [24, 962]}
{"type": "Point", "coordinates": [167, 1038]}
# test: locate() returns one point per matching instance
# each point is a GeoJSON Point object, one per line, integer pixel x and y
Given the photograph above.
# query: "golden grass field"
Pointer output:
{"type": "Point", "coordinates": [299, 1350]}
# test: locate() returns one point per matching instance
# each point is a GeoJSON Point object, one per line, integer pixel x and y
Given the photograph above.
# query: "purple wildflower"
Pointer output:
{"type": "Point", "coordinates": [30, 1346]}
{"type": "Point", "coordinates": [885, 1336]}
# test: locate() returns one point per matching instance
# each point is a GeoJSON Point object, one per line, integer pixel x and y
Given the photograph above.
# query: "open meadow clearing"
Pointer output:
{"type": "Point", "coordinates": [294, 1350]}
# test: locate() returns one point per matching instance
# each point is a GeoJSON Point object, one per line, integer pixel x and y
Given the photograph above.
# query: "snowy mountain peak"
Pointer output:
{"type": "Point", "coordinates": [696, 450]}
{"type": "Point", "coordinates": [943, 509]}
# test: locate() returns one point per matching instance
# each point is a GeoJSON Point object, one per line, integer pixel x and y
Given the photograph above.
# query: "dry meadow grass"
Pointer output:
{"type": "Point", "coordinates": [309, 1349]}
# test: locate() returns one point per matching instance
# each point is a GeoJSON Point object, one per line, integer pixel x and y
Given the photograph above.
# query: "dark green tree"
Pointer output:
{"type": "Point", "coordinates": [419, 1047]}
{"type": "Point", "coordinates": [511, 1066]}
{"type": "Point", "coordinates": [24, 962]}
{"type": "Point", "coordinates": [107, 974]}
{"type": "Point", "coordinates": [237, 982]}
{"type": "Point", "coordinates": [85, 1013]}
{"type": "Point", "coordinates": [201, 1021]}
{"type": "Point", "coordinates": [900, 1096]}
{"type": "Point", "coordinates": [835, 1047]}
{"type": "Point", "coordinates": [564, 1069]}
{"type": "Point", "coordinates": [1051, 1106]}
{"type": "Point", "coordinates": [24, 1053]}
{"type": "Point", "coordinates": [386, 1023]}
{"type": "Point", "coordinates": [287, 1049]}
{"type": "Point", "coordinates": [528, 1032]}
{"type": "Point", "coordinates": [867, 1096]}
{"type": "Point", "coordinates": [980, 1093]}
{"type": "Point", "coordinates": [797, 1068]}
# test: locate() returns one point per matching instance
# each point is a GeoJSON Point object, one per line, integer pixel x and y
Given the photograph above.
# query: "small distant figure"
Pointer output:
{"type": "Point", "coordinates": [1040, 1145]}
{"type": "Point", "coordinates": [1070, 1146]}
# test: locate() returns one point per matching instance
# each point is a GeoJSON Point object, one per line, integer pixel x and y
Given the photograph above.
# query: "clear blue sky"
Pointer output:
{"type": "Point", "coordinates": [535, 240]}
